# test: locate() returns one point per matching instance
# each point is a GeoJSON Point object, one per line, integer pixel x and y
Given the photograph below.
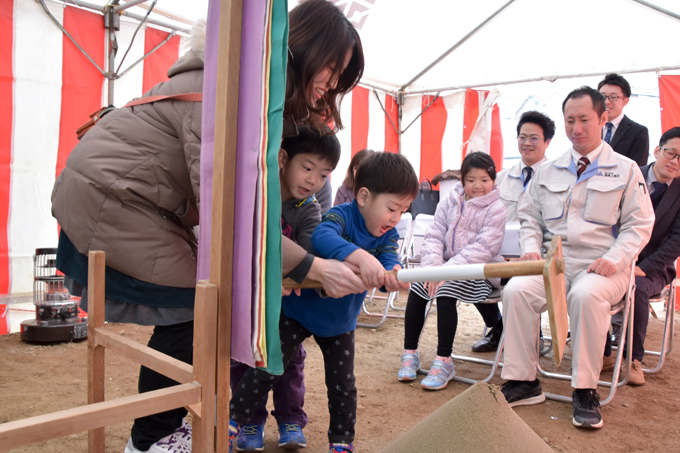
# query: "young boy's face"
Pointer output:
{"type": "Point", "coordinates": [383, 211]}
{"type": "Point", "coordinates": [302, 176]}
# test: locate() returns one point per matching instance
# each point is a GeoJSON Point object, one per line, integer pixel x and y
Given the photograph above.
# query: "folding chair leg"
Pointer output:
{"type": "Point", "coordinates": [385, 314]}
{"type": "Point", "coordinates": [667, 339]}
{"type": "Point", "coordinates": [614, 383]}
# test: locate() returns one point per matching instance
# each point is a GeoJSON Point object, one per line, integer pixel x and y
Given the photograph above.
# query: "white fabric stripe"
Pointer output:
{"type": "Point", "coordinates": [37, 62]}
{"type": "Point", "coordinates": [410, 139]}
{"type": "Point", "coordinates": [442, 273]}
{"type": "Point", "coordinates": [130, 85]}
{"type": "Point", "coordinates": [453, 134]}
{"type": "Point", "coordinates": [376, 121]}
{"type": "Point", "coordinates": [480, 139]}
{"type": "Point", "coordinates": [345, 137]}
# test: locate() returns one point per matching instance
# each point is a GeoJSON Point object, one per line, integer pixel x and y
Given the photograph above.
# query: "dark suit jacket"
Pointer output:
{"type": "Point", "coordinates": [663, 248]}
{"type": "Point", "coordinates": [632, 140]}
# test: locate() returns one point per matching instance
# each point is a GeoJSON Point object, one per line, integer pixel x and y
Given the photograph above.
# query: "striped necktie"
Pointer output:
{"type": "Point", "coordinates": [528, 173]}
{"type": "Point", "coordinates": [608, 133]}
{"type": "Point", "coordinates": [582, 164]}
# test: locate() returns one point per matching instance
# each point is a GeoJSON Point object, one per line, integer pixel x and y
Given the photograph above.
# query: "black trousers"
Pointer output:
{"type": "Point", "coordinates": [177, 341]}
{"type": "Point", "coordinates": [338, 357]}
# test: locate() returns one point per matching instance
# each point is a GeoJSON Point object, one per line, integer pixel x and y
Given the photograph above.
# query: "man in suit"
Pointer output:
{"type": "Point", "coordinates": [655, 266]}
{"type": "Point", "coordinates": [623, 134]}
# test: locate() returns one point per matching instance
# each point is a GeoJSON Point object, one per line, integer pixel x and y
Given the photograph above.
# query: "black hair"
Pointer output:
{"type": "Point", "coordinates": [669, 135]}
{"type": "Point", "coordinates": [539, 119]}
{"type": "Point", "coordinates": [477, 159]}
{"type": "Point", "coordinates": [385, 172]}
{"type": "Point", "coordinates": [319, 37]}
{"type": "Point", "coordinates": [353, 165]}
{"type": "Point", "coordinates": [615, 79]}
{"type": "Point", "coordinates": [595, 96]}
{"type": "Point", "coordinates": [323, 144]}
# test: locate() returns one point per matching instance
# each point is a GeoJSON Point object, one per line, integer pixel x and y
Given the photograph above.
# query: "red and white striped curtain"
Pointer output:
{"type": "Point", "coordinates": [48, 88]}
{"type": "Point", "coordinates": [435, 141]}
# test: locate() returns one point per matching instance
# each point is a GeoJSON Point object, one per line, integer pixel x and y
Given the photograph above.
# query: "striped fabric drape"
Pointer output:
{"type": "Point", "coordinates": [48, 88]}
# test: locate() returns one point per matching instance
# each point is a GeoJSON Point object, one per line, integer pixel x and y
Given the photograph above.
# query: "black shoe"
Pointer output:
{"type": "Point", "coordinates": [523, 393]}
{"type": "Point", "coordinates": [489, 343]}
{"type": "Point", "coordinates": [616, 334]}
{"type": "Point", "coordinates": [586, 408]}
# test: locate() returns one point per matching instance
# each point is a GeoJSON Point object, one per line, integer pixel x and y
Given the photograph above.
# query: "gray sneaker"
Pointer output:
{"type": "Point", "coordinates": [586, 409]}
{"type": "Point", "coordinates": [410, 364]}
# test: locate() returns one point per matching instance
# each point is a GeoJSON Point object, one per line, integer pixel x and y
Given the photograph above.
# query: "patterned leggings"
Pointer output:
{"type": "Point", "coordinates": [338, 356]}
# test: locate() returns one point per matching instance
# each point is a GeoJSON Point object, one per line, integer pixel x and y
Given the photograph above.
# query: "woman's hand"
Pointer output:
{"type": "Point", "coordinates": [337, 279]}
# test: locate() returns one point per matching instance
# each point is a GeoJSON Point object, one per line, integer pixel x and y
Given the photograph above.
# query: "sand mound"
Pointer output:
{"type": "Point", "coordinates": [477, 420]}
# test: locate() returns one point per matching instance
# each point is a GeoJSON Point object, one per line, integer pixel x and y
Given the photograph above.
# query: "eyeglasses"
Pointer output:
{"type": "Point", "coordinates": [613, 97]}
{"type": "Point", "coordinates": [533, 139]}
{"type": "Point", "coordinates": [669, 154]}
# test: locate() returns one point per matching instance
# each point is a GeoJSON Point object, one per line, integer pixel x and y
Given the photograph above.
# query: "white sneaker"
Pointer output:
{"type": "Point", "coordinates": [177, 442]}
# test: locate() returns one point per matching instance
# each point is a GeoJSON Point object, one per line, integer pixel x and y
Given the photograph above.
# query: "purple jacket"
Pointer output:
{"type": "Point", "coordinates": [465, 232]}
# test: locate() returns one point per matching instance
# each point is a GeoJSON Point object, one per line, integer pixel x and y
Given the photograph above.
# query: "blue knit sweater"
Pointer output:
{"type": "Point", "coordinates": [341, 232]}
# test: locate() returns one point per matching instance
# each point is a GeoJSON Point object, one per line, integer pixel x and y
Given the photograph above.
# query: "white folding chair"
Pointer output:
{"type": "Point", "coordinates": [404, 228]}
{"type": "Point", "coordinates": [626, 307]}
{"type": "Point", "coordinates": [668, 297]}
{"type": "Point", "coordinates": [420, 225]}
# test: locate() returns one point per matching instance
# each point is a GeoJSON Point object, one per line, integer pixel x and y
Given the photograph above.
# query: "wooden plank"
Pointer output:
{"type": "Point", "coordinates": [205, 356]}
{"type": "Point", "coordinates": [167, 366]}
{"type": "Point", "coordinates": [221, 256]}
{"type": "Point", "coordinates": [70, 421]}
{"type": "Point", "coordinates": [556, 298]}
{"type": "Point", "coordinates": [96, 438]}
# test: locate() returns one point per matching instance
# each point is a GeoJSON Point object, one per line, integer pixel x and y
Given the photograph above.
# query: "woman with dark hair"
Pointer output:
{"type": "Point", "coordinates": [345, 193]}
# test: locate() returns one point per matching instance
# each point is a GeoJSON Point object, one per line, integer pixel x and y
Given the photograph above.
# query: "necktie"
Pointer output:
{"type": "Point", "coordinates": [608, 133]}
{"type": "Point", "coordinates": [528, 173]}
{"type": "Point", "coordinates": [582, 164]}
{"type": "Point", "coordinates": [659, 189]}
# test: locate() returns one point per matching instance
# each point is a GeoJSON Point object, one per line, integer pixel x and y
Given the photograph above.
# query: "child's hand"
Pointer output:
{"type": "Point", "coordinates": [392, 284]}
{"type": "Point", "coordinates": [371, 270]}
{"type": "Point", "coordinates": [432, 287]}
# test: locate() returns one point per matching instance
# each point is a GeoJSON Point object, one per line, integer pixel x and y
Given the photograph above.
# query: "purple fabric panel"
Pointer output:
{"type": "Point", "coordinates": [248, 144]}
{"type": "Point", "coordinates": [208, 138]}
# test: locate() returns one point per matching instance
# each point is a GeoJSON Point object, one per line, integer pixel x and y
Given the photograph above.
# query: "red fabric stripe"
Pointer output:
{"type": "Point", "coordinates": [359, 119]}
{"type": "Point", "coordinates": [6, 108]}
{"type": "Point", "coordinates": [432, 128]}
{"type": "Point", "coordinates": [391, 135]}
{"type": "Point", "coordinates": [496, 150]}
{"type": "Point", "coordinates": [470, 116]}
{"type": "Point", "coordinates": [81, 89]}
{"type": "Point", "coordinates": [669, 98]}
{"type": "Point", "coordinates": [157, 64]}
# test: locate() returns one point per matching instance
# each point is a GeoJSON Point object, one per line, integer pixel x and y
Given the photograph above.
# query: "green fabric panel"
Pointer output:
{"type": "Point", "coordinates": [277, 94]}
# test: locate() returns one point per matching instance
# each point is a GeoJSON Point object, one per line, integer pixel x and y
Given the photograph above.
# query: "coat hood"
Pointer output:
{"type": "Point", "coordinates": [195, 57]}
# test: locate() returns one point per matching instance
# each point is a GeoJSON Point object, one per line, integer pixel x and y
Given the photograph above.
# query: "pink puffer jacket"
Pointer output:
{"type": "Point", "coordinates": [465, 232]}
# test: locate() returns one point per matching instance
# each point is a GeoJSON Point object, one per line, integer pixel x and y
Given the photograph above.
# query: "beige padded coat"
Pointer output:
{"type": "Point", "coordinates": [131, 186]}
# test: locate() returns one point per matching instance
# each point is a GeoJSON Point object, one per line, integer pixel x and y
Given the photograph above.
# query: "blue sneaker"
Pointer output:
{"type": "Point", "coordinates": [291, 437]}
{"type": "Point", "coordinates": [410, 363]}
{"type": "Point", "coordinates": [439, 376]}
{"type": "Point", "coordinates": [233, 433]}
{"type": "Point", "coordinates": [250, 438]}
{"type": "Point", "coordinates": [341, 448]}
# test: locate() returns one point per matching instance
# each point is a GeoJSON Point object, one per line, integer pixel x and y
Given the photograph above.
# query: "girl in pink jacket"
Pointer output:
{"type": "Point", "coordinates": [468, 228]}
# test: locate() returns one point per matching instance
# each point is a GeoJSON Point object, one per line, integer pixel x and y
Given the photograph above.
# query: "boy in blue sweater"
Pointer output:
{"type": "Point", "coordinates": [305, 161]}
{"type": "Point", "coordinates": [361, 234]}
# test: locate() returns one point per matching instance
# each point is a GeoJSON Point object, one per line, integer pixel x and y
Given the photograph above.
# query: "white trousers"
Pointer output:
{"type": "Point", "coordinates": [589, 301]}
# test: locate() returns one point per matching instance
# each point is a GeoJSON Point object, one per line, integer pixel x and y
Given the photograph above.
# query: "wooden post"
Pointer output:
{"type": "Point", "coordinates": [205, 350]}
{"type": "Point", "coordinates": [95, 353]}
{"type": "Point", "coordinates": [224, 175]}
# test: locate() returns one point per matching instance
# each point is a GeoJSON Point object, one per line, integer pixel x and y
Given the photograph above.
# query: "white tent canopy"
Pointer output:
{"type": "Point", "coordinates": [526, 40]}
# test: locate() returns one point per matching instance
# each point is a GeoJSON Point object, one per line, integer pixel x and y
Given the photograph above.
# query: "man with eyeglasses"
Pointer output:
{"type": "Point", "coordinates": [596, 201]}
{"type": "Point", "coordinates": [623, 134]}
{"type": "Point", "coordinates": [655, 265]}
{"type": "Point", "coordinates": [534, 132]}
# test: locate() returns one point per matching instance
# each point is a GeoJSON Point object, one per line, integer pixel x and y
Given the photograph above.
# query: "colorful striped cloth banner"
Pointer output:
{"type": "Point", "coordinates": [256, 286]}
